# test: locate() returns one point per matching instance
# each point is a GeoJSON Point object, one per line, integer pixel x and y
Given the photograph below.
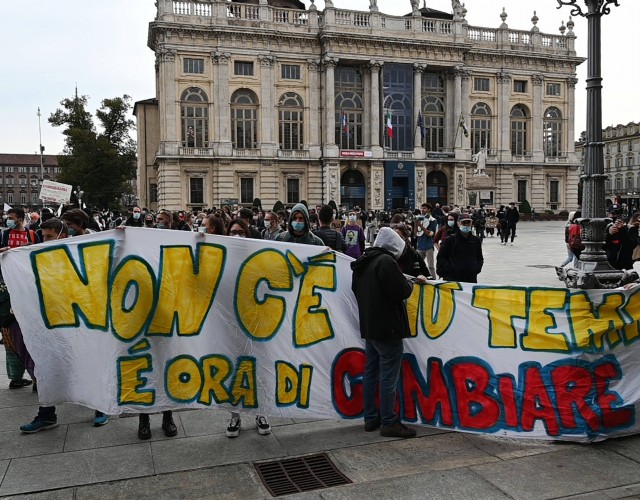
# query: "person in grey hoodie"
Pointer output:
{"type": "Point", "coordinates": [299, 229]}
{"type": "Point", "coordinates": [381, 289]}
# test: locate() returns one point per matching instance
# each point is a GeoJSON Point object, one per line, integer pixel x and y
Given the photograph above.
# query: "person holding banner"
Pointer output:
{"type": "Point", "coordinates": [299, 229]}
{"type": "Point", "coordinates": [381, 289]}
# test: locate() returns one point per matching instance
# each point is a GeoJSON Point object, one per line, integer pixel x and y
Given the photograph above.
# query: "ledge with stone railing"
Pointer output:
{"type": "Point", "coordinates": [521, 40]}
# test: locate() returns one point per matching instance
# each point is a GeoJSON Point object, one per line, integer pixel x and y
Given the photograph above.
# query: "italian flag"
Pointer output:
{"type": "Point", "coordinates": [389, 125]}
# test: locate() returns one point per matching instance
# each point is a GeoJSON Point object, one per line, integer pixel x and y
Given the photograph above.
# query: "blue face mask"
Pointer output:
{"type": "Point", "coordinates": [11, 223]}
{"type": "Point", "coordinates": [297, 226]}
{"type": "Point", "coordinates": [71, 232]}
{"type": "Point", "coordinates": [465, 229]}
{"type": "Point", "coordinates": [160, 225]}
{"type": "Point", "coordinates": [451, 223]}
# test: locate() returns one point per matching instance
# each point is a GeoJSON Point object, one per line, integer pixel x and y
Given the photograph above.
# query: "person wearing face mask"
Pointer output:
{"type": "Point", "coordinates": [298, 229]}
{"type": "Point", "coordinates": [447, 229]}
{"type": "Point", "coordinates": [78, 222]}
{"type": "Point", "coordinates": [460, 257]}
{"type": "Point", "coordinates": [135, 219]}
{"type": "Point", "coordinates": [380, 289]}
{"type": "Point", "coordinates": [164, 220]}
{"type": "Point", "coordinates": [271, 228]}
{"type": "Point", "coordinates": [353, 235]}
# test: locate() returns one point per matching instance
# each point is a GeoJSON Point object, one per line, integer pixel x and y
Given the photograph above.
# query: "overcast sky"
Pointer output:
{"type": "Point", "coordinates": [101, 46]}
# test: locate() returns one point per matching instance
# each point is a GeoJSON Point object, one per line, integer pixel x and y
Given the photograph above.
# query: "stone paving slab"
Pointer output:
{"type": "Point", "coordinates": [215, 421]}
{"type": "Point", "coordinates": [4, 465]}
{"type": "Point", "coordinates": [18, 445]}
{"type": "Point", "coordinates": [13, 417]}
{"type": "Point", "coordinates": [208, 451]}
{"type": "Point", "coordinates": [118, 432]}
{"type": "Point", "coordinates": [76, 468]}
{"type": "Point", "coordinates": [554, 475]}
{"type": "Point", "coordinates": [15, 397]}
{"type": "Point", "coordinates": [454, 484]}
{"type": "Point", "coordinates": [627, 446]}
{"type": "Point", "coordinates": [508, 448]}
{"type": "Point", "coordinates": [64, 494]}
{"type": "Point", "coordinates": [228, 482]}
{"type": "Point", "coordinates": [387, 460]}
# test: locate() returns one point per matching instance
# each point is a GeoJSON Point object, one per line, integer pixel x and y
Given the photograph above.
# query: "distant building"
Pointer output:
{"type": "Point", "coordinates": [621, 163]}
{"type": "Point", "coordinates": [268, 99]}
{"type": "Point", "coordinates": [21, 178]}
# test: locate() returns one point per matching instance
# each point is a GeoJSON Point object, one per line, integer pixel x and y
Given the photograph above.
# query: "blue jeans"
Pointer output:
{"type": "Point", "coordinates": [382, 366]}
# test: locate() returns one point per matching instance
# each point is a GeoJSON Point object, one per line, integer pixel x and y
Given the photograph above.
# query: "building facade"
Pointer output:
{"type": "Point", "coordinates": [621, 163]}
{"type": "Point", "coordinates": [270, 100]}
{"type": "Point", "coordinates": [21, 178]}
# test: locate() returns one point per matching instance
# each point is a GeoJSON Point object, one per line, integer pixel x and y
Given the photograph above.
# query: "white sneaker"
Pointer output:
{"type": "Point", "coordinates": [233, 429]}
{"type": "Point", "coordinates": [511, 244]}
{"type": "Point", "coordinates": [263, 425]}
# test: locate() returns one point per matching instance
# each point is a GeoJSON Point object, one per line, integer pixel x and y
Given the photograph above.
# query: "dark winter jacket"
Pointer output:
{"type": "Point", "coordinates": [380, 289]}
{"type": "Point", "coordinates": [513, 216]}
{"type": "Point", "coordinates": [620, 246]}
{"type": "Point", "coordinates": [331, 238]}
{"type": "Point", "coordinates": [460, 258]}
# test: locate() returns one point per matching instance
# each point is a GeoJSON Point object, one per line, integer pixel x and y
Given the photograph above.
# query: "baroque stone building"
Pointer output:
{"type": "Point", "coordinates": [269, 99]}
{"type": "Point", "coordinates": [621, 163]}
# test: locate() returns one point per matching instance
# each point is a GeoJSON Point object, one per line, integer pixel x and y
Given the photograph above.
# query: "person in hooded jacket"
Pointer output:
{"type": "Point", "coordinates": [380, 289]}
{"type": "Point", "coordinates": [460, 257]}
{"type": "Point", "coordinates": [299, 229]}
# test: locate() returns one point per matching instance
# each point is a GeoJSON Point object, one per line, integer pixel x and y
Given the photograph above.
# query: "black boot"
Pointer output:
{"type": "Point", "coordinates": [144, 426]}
{"type": "Point", "coordinates": [168, 426]}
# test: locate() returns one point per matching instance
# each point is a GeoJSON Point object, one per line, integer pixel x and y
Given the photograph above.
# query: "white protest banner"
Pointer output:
{"type": "Point", "coordinates": [55, 192]}
{"type": "Point", "coordinates": [147, 320]}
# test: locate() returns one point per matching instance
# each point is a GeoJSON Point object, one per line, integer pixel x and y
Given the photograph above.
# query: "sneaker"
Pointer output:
{"type": "Point", "coordinates": [398, 430]}
{"type": "Point", "coordinates": [168, 425]}
{"type": "Point", "coordinates": [233, 429]}
{"type": "Point", "coordinates": [38, 424]}
{"type": "Point", "coordinates": [263, 425]}
{"type": "Point", "coordinates": [100, 419]}
{"type": "Point", "coordinates": [511, 243]}
{"type": "Point", "coordinates": [372, 425]}
{"type": "Point", "coordinates": [19, 384]}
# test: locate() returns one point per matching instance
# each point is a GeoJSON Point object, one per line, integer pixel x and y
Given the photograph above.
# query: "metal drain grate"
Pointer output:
{"type": "Point", "coordinates": [295, 475]}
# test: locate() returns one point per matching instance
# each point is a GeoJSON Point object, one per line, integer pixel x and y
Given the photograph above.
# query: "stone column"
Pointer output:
{"type": "Point", "coordinates": [457, 107]}
{"type": "Point", "coordinates": [466, 110]}
{"type": "Point", "coordinates": [451, 121]}
{"type": "Point", "coordinates": [376, 123]}
{"type": "Point", "coordinates": [222, 107]}
{"type": "Point", "coordinates": [332, 176]}
{"type": "Point", "coordinates": [169, 115]}
{"type": "Point", "coordinates": [268, 107]}
{"type": "Point", "coordinates": [314, 120]}
{"type": "Point", "coordinates": [537, 115]}
{"type": "Point", "coordinates": [504, 112]}
{"type": "Point", "coordinates": [331, 149]}
{"type": "Point", "coordinates": [569, 134]}
{"type": "Point", "coordinates": [418, 147]}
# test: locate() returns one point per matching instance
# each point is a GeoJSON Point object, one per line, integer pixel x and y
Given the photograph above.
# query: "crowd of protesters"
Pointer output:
{"type": "Point", "coordinates": [428, 243]}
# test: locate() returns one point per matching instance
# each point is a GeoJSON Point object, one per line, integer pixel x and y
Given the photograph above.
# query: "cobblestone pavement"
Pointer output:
{"type": "Point", "coordinates": [78, 461]}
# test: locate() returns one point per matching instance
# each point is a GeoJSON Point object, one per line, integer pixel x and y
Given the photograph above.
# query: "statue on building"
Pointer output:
{"type": "Point", "coordinates": [457, 8]}
{"type": "Point", "coordinates": [415, 6]}
{"type": "Point", "coordinates": [373, 4]}
{"type": "Point", "coordinates": [480, 159]}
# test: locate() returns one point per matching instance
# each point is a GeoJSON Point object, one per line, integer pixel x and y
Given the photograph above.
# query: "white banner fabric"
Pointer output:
{"type": "Point", "coordinates": [146, 320]}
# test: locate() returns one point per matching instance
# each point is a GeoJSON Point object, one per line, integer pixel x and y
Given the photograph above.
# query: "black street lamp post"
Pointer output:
{"type": "Point", "coordinates": [593, 270]}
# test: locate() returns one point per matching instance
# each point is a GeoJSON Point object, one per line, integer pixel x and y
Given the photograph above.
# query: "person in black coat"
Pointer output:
{"type": "Point", "coordinates": [460, 257]}
{"type": "Point", "coordinates": [513, 216]}
{"type": "Point", "coordinates": [620, 241]}
{"type": "Point", "coordinates": [380, 289]}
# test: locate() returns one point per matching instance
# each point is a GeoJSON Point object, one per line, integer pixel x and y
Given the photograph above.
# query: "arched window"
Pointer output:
{"type": "Point", "coordinates": [433, 119]}
{"type": "Point", "coordinates": [244, 119]}
{"type": "Point", "coordinates": [519, 125]}
{"type": "Point", "coordinates": [349, 112]}
{"type": "Point", "coordinates": [399, 109]}
{"type": "Point", "coordinates": [552, 130]}
{"type": "Point", "coordinates": [480, 127]}
{"type": "Point", "coordinates": [194, 111]}
{"type": "Point", "coordinates": [290, 121]}
{"type": "Point", "coordinates": [618, 187]}
{"type": "Point", "coordinates": [629, 182]}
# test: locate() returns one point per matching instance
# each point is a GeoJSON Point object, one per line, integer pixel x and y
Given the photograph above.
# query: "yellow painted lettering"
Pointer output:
{"type": "Point", "coordinates": [68, 293]}
{"type": "Point", "coordinates": [244, 384]}
{"type": "Point", "coordinates": [312, 323]}
{"type": "Point", "coordinates": [130, 381]}
{"type": "Point", "coordinates": [261, 316]}
{"type": "Point", "coordinates": [133, 277]}
{"type": "Point", "coordinates": [413, 306]}
{"type": "Point", "coordinates": [215, 370]}
{"type": "Point", "coordinates": [287, 381]}
{"type": "Point", "coordinates": [537, 336]}
{"type": "Point", "coordinates": [631, 331]}
{"type": "Point", "coordinates": [187, 288]}
{"type": "Point", "coordinates": [306, 372]}
{"type": "Point", "coordinates": [183, 379]}
{"type": "Point", "coordinates": [502, 305]}
{"type": "Point", "coordinates": [438, 307]}
{"type": "Point", "coordinates": [591, 322]}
